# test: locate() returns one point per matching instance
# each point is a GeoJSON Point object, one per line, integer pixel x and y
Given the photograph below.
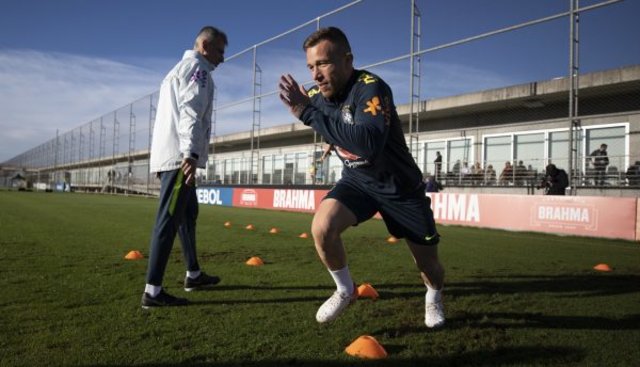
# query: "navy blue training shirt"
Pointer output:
{"type": "Point", "coordinates": [363, 125]}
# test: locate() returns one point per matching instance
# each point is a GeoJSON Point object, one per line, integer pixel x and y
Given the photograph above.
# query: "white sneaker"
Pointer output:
{"type": "Point", "coordinates": [333, 307]}
{"type": "Point", "coordinates": [434, 314]}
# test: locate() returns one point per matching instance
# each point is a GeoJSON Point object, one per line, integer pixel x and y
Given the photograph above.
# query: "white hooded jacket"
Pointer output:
{"type": "Point", "coordinates": [183, 117]}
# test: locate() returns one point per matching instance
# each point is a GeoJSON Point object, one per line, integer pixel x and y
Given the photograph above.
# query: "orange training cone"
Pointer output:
{"type": "Point", "coordinates": [273, 230]}
{"type": "Point", "coordinates": [602, 267]}
{"type": "Point", "coordinates": [367, 290]}
{"type": "Point", "coordinates": [227, 224]}
{"type": "Point", "coordinates": [366, 347]}
{"type": "Point", "coordinates": [250, 227]}
{"type": "Point", "coordinates": [255, 261]}
{"type": "Point", "coordinates": [134, 255]}
{"type": "Point", "coordinates": [392, 239]}
{"type": "Point", "coordinates": [304, 235]}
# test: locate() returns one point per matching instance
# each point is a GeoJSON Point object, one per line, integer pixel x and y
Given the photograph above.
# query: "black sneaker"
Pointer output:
{"type": "Point", "coordinates": [203, 281]}
{"type": "Point", "coordinates": [163, 299]}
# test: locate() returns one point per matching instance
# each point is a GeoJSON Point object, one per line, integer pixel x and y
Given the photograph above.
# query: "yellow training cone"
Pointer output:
{"type": "Point", "coordinates": [602, 267]}
{"type": "Point", "coordinates": [227, 224]}
{"type": "Point", "coordinates": [250, 227]}
{"type": "Point", "coordinates": [366, 347]}
{"type": "Point", "coordinates": [134, 255]}
{"type": "Point", "coordinates": [304, 235]}
{"type": "Point", "coordinates": [255, 261]}
{"type": "Point", "coordinates": [392, 239]}
{"type": "Point", "coordinates": [367, 290]}
{"type": "Point", "coordinates": [273, 230]}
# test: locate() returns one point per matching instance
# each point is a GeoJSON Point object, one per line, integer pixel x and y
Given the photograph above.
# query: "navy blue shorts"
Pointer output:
{"type": "Point", "coordinates": [409, 216]}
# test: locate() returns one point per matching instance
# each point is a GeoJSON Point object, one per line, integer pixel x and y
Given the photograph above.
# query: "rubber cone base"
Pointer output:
{"type": "Point", "coordinates": [227, 224]}
{"type": "Point", "coordinates": [273, 230]}
{"type": "Point", "coordinates": [367, 290]}
{"type": "Point", "coordinates": [602, 267]}
{"type": "Point", "coordinates": [255, 261]}
{"type": "Point", "coordinates": [366, 347]}
{"type": "Point", "coordinates": [250, 227]}
{"type": "Point", "coordinates": [304, 235]}
{"type": "Point", "coordinates": [134, 255]}
{"type": "Point", "coordinates": [392, 239]}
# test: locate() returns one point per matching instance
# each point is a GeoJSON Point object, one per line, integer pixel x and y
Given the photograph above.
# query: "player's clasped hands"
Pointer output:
{"type": "Point", "coordinates": [293, 95]}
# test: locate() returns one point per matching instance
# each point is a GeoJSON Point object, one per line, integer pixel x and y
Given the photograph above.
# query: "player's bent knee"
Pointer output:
{"type": "Point", "coordinates": [323, 232]}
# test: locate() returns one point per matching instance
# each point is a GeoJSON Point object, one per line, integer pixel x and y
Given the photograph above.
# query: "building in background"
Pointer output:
{"type": "Point", "coordinates": [525, 125]}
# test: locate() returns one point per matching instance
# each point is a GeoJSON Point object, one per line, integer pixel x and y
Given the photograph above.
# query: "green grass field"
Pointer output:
{"type": "Point", "coordinates": [512, 299]}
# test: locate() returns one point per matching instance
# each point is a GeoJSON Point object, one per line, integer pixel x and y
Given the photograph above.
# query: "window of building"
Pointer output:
{"type": "Point", "coordinates": [289, 168]}
{"type": "Point", "coordinates": [301, 168]}
{"type": "Point", "coordinates": [615, 138]}
{"type": "Point", "coordinates": [335, 168]}
{"type": "Point", "coordinates": [559, 149]}
{"type": "Point", "coordinates": [278, 169]}
{"type": "Point", "coordinates": [529, 148]}
{"type": "Point", "coordinates": [430, 149]}
{"type": "Point", "coordinates": [267, 169]}
{"type": "Point", "coordinates": [497, 151]}
{"type": "Point", "coordinates": [458, 150]}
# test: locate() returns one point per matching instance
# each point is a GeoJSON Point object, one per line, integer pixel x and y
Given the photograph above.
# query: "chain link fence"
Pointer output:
{"type": "Point", "coordinates": [489, 145]}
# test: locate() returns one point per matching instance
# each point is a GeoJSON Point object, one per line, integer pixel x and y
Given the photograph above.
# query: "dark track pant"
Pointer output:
{"type": "Point", "coordinates": [177, 213]}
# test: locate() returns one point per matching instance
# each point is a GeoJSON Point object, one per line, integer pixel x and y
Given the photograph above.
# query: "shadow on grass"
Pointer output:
{"type": "Point", "coordinates": [514, 320]}
{"type": "Point", "coordinates": [527, 355]}
{"type": "Point", "coordinates": [570, 286]}
{"type": "Point", "coordinates": [589, 285]}
{"type": "Point", "coordinates": [524, 320]}
{"type": "Point", "coordinates": [256, 301]}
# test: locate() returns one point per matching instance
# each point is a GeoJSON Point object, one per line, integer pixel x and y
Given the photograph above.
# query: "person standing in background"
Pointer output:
{"type": "Point", "coordinates": [438, 166]}
{"type": "Point", "coordinates": [600, 163]}
{"type": "Point", "coordinates": [179, 146]}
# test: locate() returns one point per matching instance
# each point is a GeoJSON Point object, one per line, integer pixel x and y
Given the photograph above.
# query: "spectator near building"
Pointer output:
{"type": "Point", "coordinates": [520, 173]}
{"type": "Point", "coordinates": [432, 184]}
{"type": "Point", "coordinates": [555, 181]}
{"type": "Point", "coordinates": [633, 174]}
{"type": "Point", "coordinates": [490, 176]}
{"type": "Point", "coordinates": [438, 166]}
{"type": "Point", "coordinates": [600, 162]}
{"type": "Point", "coordinates": [506, 176]}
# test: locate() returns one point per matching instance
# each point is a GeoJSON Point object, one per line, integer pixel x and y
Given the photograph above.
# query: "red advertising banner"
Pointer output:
{"type": "Point", "coordinates": [297, 200]}
{"type": "Point", "coordinates": [608, 217]}
{"type": "Point", "coordinates": [574, 215]}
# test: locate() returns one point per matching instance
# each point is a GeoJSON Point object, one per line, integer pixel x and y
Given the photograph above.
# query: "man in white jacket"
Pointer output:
{"type": "Point", "coordinates": [180, 144]}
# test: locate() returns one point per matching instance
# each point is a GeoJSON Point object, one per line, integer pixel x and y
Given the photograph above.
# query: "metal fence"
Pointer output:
{"type": "Point", "coordinates": [110, 153]}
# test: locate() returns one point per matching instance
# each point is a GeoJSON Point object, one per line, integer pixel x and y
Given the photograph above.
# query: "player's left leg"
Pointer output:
{"type": "Point", "coordinates": [432, 272]}
{"type": "Point", "coordinates": [194, 278]}
{"type": "Point", "coordinates": [411, 217]}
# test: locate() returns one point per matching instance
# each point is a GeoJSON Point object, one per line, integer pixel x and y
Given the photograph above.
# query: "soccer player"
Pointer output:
{"type": "Point", "coordinates": [180, 145]}
{"type": "Point", "coordinates": [354, 111]}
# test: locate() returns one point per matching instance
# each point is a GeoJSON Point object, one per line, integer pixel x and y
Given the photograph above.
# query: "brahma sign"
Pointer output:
{"type": "Point", "coordinates": [280, 199]}
{"type": "Point", "coordinates": [607, 217]}
{"type": "Point", "coordinates": [575, 215]}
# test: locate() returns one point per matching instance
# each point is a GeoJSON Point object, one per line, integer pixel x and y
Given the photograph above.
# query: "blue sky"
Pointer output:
{"type": "Point", "coordinates": [64, 63]}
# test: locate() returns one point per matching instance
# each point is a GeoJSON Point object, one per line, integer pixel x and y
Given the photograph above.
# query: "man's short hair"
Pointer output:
{"type": "Point", "coordinates": [603, 145]}
{"type": "Point", "coordinates": [333, 34]}
{"type": "Point", "coordinates": [211, 34]}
